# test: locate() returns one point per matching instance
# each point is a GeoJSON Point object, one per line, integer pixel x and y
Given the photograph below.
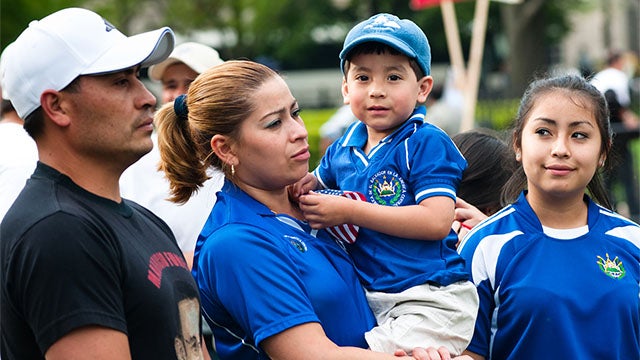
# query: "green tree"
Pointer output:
{"type": "Point", "coordinates": [15, 15]}
{"type": "Point", "coordinates": [302, 34]}
{"type": "Point", "coordinates": [534, 28]}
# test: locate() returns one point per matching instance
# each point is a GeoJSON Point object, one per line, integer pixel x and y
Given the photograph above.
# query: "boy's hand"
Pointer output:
{"type": "Point", "coordinates": [323, 211]}
{"type": "Point", "coordinates": [302, 186]}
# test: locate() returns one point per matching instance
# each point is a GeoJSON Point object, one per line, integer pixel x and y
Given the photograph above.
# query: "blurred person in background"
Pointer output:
{"type": "Point", "coordinates": [490, 163]}
{"type": "Point", "coordinates": [335, 126]}
{"type": "Point", "coordinates": [614, 82]}
{"type": "Point", "coordinates": [144, 183]}
{"type": "Point", "coordinates": [18, 155]}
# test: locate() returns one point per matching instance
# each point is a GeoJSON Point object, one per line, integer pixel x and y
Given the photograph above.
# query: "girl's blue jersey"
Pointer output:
{"type": "Point", "coordinates": [563, 298]}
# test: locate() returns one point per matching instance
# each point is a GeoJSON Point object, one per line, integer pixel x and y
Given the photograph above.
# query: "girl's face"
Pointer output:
{"type": "Point", "coordinates": [561, 146]}
{"type": "Point", "coordinates": [272, 150]}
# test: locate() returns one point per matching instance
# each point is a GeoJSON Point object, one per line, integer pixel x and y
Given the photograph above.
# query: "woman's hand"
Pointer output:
{"type": "Point", "coordinates": [466, 217]}
{"type": "Point", "coordinates": [431, 353]}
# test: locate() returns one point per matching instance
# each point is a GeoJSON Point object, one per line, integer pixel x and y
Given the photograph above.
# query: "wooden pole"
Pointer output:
{"type": "Point", "coordinates": [453, 42]}
{"type": "Point", "coordinates": [472, 77]}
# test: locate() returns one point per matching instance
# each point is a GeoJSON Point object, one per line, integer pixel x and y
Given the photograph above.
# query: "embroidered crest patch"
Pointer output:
{"type": "Point", "coordinates": [386, 187]}
{"type": "Point", "coordinates": [297, 243]}
{"type": "Point", "coordinates": [612, 268]}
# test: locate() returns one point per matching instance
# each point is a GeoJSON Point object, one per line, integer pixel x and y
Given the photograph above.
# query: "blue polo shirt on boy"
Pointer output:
{"type": "Point", "coordinates": [415, 162]}
{"type": "Point", "coordinates": [542, 296]}
{"type": "Point", "coordinates": [260, 273]}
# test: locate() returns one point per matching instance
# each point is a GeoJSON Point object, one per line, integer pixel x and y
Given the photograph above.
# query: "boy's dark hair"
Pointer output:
{"type": "Point", "coordinates": [373, 47]}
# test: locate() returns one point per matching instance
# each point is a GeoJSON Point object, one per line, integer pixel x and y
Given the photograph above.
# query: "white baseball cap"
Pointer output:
{"type": "Point", "coordinates": [197, 56]}
{"type": "Point", "coordinates": [52, 52]}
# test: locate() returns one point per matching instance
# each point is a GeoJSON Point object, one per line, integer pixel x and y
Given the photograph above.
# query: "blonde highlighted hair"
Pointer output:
{"type": "Point", "coordinates": [217, 102]}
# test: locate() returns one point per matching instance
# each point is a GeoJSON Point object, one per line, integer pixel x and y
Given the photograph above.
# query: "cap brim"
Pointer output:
{"type": "Point", "coordinates": [143, 49]}
{"type": "Point", "coordinates": [156, 71]}
{"type": "Point", "coordinates": [381, 38]}
{"type": "Point", "coordinates": [378, 37]}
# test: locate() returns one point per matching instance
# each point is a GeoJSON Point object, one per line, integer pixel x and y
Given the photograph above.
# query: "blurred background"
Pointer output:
{"type": "Point", "coordinates": [302, 39]}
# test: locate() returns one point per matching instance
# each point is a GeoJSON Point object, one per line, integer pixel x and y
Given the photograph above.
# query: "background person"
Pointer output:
{"type": "Point", "coordinates": [85, 273]}
{"type": "Point", "coordinates": [18, 156]}
{"type": "Point", "coordinates": [271, 286]}
{"type": "Point", "coordinates": [335, 126]}
{"type": "Point", "coordinates": [144, 183]}
{"type": "Point", "coordinates": [557, 264]}
{"type": "Point", "coordinates": [490, 163]}
{"type": "Point", "coordinates": [614, 83]}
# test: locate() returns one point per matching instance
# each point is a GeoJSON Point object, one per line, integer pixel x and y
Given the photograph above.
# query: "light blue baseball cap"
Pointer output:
{"type": "Point", "coordinates": [401, 34]}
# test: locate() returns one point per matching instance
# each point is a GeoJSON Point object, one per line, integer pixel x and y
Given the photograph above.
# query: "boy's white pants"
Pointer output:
{"type": "Point", "coordinates": [423, 316]}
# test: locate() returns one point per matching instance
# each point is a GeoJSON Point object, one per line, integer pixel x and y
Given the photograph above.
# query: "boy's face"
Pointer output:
{"type": "Point", "coordinates": [383, 91]}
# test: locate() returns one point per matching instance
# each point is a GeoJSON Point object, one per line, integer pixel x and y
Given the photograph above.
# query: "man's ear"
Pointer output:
{"type": "Point", "coordinates": [53, 107]}
{"type": "Point", "coordinates": [425, 85]}
{"type": "Point", "coordinates": [224, 149]}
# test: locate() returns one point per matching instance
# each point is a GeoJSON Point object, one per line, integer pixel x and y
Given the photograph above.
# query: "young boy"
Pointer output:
{"type": "Point", "coordinates": [409, 171]}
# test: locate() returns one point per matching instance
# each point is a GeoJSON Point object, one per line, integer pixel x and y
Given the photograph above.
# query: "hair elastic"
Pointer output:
{"type": "Point", "coordinates": [180, 107]}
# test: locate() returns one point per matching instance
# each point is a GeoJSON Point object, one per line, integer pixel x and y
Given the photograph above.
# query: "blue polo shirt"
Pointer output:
{"type": "Point", "coordinates": [260, 273]}
{"type": "Point", "coordinates": [542, 297]}
{"type": "Point", "coordinates": [415, 162]}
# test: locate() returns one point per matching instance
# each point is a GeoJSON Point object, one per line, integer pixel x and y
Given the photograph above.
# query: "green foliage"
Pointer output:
{"type": "Point", "coordinates": [313, 119]}
{"type": "Point", "coordinates": [289, 34]}
{"type": "Point", "coordinates": [15, 15]}
{"type": "Point", "coordinates": [496, 114]}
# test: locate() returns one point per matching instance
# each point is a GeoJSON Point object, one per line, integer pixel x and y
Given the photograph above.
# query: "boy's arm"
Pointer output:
{"type": "Point", "coordinates": [429, 220]}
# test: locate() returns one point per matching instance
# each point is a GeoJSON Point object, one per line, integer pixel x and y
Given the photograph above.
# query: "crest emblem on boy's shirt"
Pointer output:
{"type": "Point", "coordinates": [297, 243]}
{"type": "Point", "coordinates": [386, 187]}
{"type": "Point", "coordinates": [612, 268]}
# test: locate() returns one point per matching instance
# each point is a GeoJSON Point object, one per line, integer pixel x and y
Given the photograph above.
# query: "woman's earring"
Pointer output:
{"type": "Point", "coordinates": [233, 170]}
{"type": "Point", "coordinates": [518, 156]}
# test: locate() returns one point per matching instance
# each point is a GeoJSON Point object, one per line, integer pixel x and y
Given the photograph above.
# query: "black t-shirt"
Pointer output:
{"type": "Point", "coordinates": [71, 258]}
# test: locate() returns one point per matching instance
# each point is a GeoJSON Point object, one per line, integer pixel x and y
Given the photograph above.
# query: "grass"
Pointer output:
{"type": "Point", "coordinates": [313, 119]}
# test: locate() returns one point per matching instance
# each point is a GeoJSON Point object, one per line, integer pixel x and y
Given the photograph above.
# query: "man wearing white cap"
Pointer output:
{"type": "Point", "coordinates": [144, 183]}
{"type": "Point", "coordinates": [86, 274]}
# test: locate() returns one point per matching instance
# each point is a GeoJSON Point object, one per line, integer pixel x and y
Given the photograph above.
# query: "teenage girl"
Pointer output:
{"type": "Point", "coordinates": [557, 272]}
